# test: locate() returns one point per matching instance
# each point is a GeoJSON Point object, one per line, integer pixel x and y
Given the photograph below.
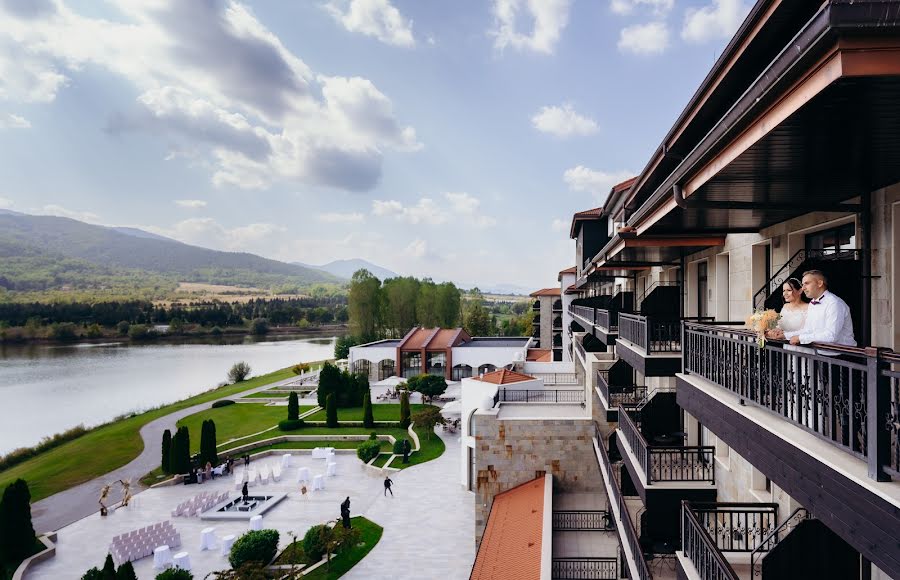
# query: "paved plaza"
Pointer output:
{"type": "Point", "coordinates": [428, 524]}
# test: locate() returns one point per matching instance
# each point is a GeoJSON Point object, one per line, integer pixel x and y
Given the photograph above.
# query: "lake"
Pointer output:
{"type": "Point", "coordinates": [45, 389]}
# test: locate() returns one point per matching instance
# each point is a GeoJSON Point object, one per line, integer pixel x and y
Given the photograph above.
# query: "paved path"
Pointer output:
{"type": "Point", "coordinates": [65, 507]}
{"type": "Point", "coordinates": [429, 524]}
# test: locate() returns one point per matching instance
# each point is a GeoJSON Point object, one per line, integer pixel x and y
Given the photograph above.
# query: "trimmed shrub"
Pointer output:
{"type": "Point", "coordinates": [331, 419]}
{"type": "Point", "coordinates": [293, 407]}
{"type": "Point", "coordinates": [314, 544]}
{"type": "Point", "coordinates": [290, 424]}
{"type": "Point", "coordinates": [399, 445]}
{"type": "Point", "coordinates": [92, 574]}
{"type": "Point", "coordinates": [368, 450]}
{"type": "Point", "coordinates": [16, 530]}
{"type": "Point", "coordinates": [404, 409]}
{"type": "Point", "coordinates": [254, 546]}
{"type": "Point", "coordinates": [222, 403]}
{"type": "Point", "coordinates": [368, 417]}
{"type": "Point", "coordinates": [175, 574]}
{"type": "Point", "coordinates": [166, 462]}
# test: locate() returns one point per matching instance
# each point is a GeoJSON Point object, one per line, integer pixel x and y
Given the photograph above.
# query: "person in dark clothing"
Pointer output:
{"type": "Point", "coordinates": [387, 486]}
{"type": "Point", "coordinates": [345, 513]}
{"type": "Point", "coordinates": [244, 492]}
{"type": "Point", "coordinates": [407, 447]}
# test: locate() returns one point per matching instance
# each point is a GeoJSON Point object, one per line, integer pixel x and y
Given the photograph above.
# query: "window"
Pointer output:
{"type": "Point", "coordinates": [471, 469]}
{"type": "Point", "coordinates": [702, 290]}
{"type": "Point", "coordinates": [833, 240]}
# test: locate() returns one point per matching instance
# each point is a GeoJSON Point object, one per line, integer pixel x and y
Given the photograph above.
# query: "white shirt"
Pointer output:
{"type": "Point", "coordinates": [827, 321]}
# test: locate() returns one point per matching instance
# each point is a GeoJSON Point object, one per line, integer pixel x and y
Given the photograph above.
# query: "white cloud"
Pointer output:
{"type": "Point", "coordinates": [548, 18]}
{"type": "Point", "coordinates": [559, 225]}
{"type": "Point", "coordinates": [720, 19]}
{"type": "Point", "coordinates": [5, 203]}
{"type": "Point", "coordinates": [462, 208]}
{"type": "Point", "coordinates": [341, 218]}
{"type": "Point", "coordinates": [467, 207]}
{"type": "Point", "coordinates": [60, 211]}
{"type": "Point", "coordinates": [644, 39]}
{"type": "Point", "coordinates": [563, 122]}
{"type": "Point", "coordinates": [377, 18]}
{"type": "Point", "coordinates": [208, 233]}
{"type": "Point", "coordinates": [416, 249]}
{"type": "Point", "coordinates": [190, 203]}
{"type": "Point", "coordinates": [212, 81]}
{"type": "Point", "coordinates": [581, 178]}
{"type": "Point", "coordinates": [658, 7]}
{"type": "Point", "coordinates": [11, 121]}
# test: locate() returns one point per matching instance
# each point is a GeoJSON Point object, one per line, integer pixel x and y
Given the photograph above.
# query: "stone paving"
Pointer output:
{"type": "Point", "coordinates": [428, 523]}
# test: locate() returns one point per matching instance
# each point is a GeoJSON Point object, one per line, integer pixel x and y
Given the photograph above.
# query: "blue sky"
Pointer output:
{"type": "Point", "coordinates": [444, 139]}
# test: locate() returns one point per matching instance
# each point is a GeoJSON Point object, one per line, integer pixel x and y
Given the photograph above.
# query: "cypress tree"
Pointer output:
{"type": "Point", "coordinates": [185, 450]}
{"type": "Point", "coordinates": [109, 569]}
{"type": "Point", "coordinates": [368, 417]}
{"type": "Point", "coordinates": [213, 453]}
{"type": "Point", "coordinates": [208, 443]}
{"type": "Point", "coordinates": [16, 531]}
{"type": "Point", "coordinates": [331, 419]}
{"type": "Point", "coordinates": [126, 572]}
{"type": "Point", "coordinates": [404, 409]}
{"type": "Point", "coordinates": [293, 407]}
{"type": "Point", "coordinates": [166, 451]}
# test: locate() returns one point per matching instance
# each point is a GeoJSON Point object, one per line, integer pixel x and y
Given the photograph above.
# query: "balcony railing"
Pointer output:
{"type": "Point", "coordinates": [540, 396]}
{"type": "Point", "coordinates": [664, 463]}
{"type": "Point", "coordinates": [628, 396]}
{"type": "Point", "coordinates": [627, 533]}
{"type": "Point", "coordinates": [557, 378]}
{"type": "Point", "coordinates": [580, 349]}
{"type": "Point", "coordinates": [654, 334]}
{"type": "Point", "coordinates": [851, 401]}
{"type": "Point", "coordinates": [585, 568]}
{"type": "Point", "coordinates": [584, 312]}
{"type": "Point", "coordinates": [581, 521]}
{"type": "Point", "coordinates": [608, 319]}
{"type": "Point", "coordinates": [700, 549]}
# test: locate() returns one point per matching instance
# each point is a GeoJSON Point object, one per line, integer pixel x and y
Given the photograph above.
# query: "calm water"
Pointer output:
{"type": "Point", "coordinates": [47, 389]}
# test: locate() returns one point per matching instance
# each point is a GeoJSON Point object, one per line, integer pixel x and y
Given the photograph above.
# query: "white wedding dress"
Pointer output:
{"type": "Point", "coordinates": [792, 320]}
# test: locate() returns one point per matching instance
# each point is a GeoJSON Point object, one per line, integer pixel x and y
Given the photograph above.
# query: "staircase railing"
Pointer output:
{"type": "Point", "coordinates": [781, 276]}
{"type": "Point", "coordinates": [758, 553]}
{"type": "Point", "coordinates": [652, 287]}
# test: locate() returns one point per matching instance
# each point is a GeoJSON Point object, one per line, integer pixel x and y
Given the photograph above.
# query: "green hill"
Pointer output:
{"type": "Point", "coordinates": [42, 253]}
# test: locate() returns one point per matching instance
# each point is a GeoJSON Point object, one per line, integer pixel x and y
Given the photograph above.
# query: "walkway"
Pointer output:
{"type": "Point", "coordinates": [429, 525]}
{"type": "Point", "coordinates": [67, 506]}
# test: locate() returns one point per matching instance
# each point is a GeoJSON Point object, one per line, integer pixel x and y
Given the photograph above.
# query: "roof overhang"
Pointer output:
{"type": "Point", "coordinates": [655, 250]}
{"type": "Point", "coordinates": [818, 128]}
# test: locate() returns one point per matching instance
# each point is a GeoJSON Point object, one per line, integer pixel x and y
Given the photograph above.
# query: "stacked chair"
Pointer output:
{"type": "Point", "coordinates": [140, 543]}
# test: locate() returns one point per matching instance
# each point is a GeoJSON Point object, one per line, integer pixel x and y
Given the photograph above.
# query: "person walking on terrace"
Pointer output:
{"type": "Point", "coordinates": [387, 486]}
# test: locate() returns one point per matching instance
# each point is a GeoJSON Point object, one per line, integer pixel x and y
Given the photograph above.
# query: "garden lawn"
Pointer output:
{"type": "Point", "coordinates": [265, 395]}
{"type": "Point", "coordinates": [370, 533]}
{"type": "Point", "coordinates": [382, 412]}
{"type": "Point", "coordinates": [233, 421]}
{"type": "Point", "coordinates": [381, 459]}
{"type": "Point", "coordinates": [111, 446]}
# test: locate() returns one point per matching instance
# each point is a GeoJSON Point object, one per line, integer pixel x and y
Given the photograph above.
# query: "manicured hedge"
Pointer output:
{"type": "Point", "coordinates": [222, 403]}
{"type": "Point", "coordinates": [368, 450]}
{"type": "Point", "coordinates": [254, 546]}
{"type": "Point", "coordinates": [290, 424]}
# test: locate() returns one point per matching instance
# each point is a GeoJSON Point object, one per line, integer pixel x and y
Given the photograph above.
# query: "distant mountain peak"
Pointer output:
{"type": "Point", "coordinates": [346, 268]}
{"type": "Point", "coordinates": [139, 233]}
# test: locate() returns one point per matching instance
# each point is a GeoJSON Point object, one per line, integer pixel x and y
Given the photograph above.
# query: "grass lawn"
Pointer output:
{"type": "Point", "coordinates": [111, 446]}
{"type": "Point", "coordinates": [381, 412]}
{"type": "Point", "coordinates": [430, 449]}
{"type": "Point", "coordinates": [265, 395]}
{"type": "Point", "coordinates": [370, 533]}
{"type": "Point", "coordinates": [381, 459]}
{"type": "Point", "coordinates": [235, 421]}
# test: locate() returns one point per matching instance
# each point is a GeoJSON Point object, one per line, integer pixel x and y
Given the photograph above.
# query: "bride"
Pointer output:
{"type": "Point", "coordinates": [793, 313]}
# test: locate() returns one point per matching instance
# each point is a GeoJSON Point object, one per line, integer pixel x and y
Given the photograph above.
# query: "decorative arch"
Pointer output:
{"type": "Point", "coordinates": [460, 372]}
{"type": "Point", "coordinates": [486, 368]}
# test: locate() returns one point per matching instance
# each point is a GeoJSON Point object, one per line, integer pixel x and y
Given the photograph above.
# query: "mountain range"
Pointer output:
{"type": "Point", "coordinates": [346, 268]}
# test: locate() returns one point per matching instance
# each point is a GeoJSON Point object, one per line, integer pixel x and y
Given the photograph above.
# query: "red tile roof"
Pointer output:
{"type": "Point", "coordinates": [539, 355]}
{"type": "Point", "coordinates": [573, 290]}
{"type": "Point", "coordinates": [571, 270]}
{"type": "Point", "coordinates": [511, 545]}
{"type": "Point", "coordinates": [624, 185]}
{"type": "Point", "coordinates": [504, 377]}
{"type": "Point", "coordinates": [545, 292]}
{"type": "Point", "coordinates": [586, 215]}
{"type": "Point", "coordinates": [434, 338]}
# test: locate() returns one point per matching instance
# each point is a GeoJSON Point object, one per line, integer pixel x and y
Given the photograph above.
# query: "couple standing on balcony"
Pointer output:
{"type": "Point", "coordinates": [825, 319]}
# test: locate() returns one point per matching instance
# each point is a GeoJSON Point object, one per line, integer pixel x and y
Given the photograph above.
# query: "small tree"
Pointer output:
{"type": "Point", "coordinates": [180, 459]}
{"type": "Point", "coordinates": [404, 409]}
{"type": "Point", "coordinates": [166, 451]}
{"type": "Point", "coordinates": [368, 416]}
{"type": "Point", "coordinates": [429, 385]}
{"type": "Point", "coordinates": [331, 418]}
{"type": "Point", "coordinates": [208, 443]}
{"type": "Point", "coordinates": [368, 450]}
{"type": "Point", "coordinates": [126, 572]}
{"type": "Point", "coordinates": [427, 419]}
{"type": "Point", "coordinates": [123, 327]}
{"type": "Point", "coordinates": [330, 381]}
{"type": "Point", "coordinates": [259, 326]}
{"type": "Point", "coordinates": [238, 372]}
{"type": "Point", "coordinates": [254, 546]}
{"type": "Point", "coordinates": [175, 574]}
{"type": "Point", "coordinates": [109, 568]}
{"type": "Point", "coordinates": [293, 407]}
{"type": "Point", "coordinates": [16, 530]}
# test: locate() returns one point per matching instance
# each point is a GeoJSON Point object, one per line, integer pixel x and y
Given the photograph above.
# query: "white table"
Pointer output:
{"type": "Point", "coordinates": [227, 542]}
{"type": "Point", "coordinates": [256, 522]}
{"type": "Point", "coordinates": [162, 557]}
{"type": "Point", "coordinates": [331, 469]}
{"type": "Point", "coordinates": [303, 474]}
{"type": "Point", "coordinates": [318, 482]}
{"type": "Point", "coordinates": [208, 539]}
{"type": "Point", "coordinates": [285, 461]}
{"type": "Point", "coordinates": [322, 452]}
{"type": "Point", "coordinates": [219, 470]}
{"type": "Point", "coordinates": [183, 561]}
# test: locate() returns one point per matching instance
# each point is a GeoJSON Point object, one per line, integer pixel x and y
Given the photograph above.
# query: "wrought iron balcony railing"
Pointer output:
{"type": "Point", "coordinates": [580, 349]}
{"type": "Point", "coordinates": [581, 568]}
{"type": "Point", "coordinates": [557, 378]}
{"type": "Point", "coordinates": [540, 396]}
{"type": "Point", "coordinates": [585, 313]}
{"type": "Point", "coordinates": [581, 521]}
{"type": "Point", "coordinates": [627, 533]}
{"type": "Point", "coordinates": [852, 401]}
{"type": "Point", "coordinates": [665, 463]}
{"type": "Point", "coordinates": [654, 334]}
{"type": "Point", "coordinates": [628, 396]}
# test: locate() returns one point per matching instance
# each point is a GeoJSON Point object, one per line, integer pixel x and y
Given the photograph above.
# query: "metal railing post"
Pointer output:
{"type": "Point", "coordinates": [878, 402]}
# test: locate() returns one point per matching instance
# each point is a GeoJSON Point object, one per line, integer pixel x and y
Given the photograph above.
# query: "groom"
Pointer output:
{"type": "Point", "coordinates": [828, 318]}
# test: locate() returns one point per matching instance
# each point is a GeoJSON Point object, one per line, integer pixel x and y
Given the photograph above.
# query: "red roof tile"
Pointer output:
{"type": "Point", "coordinates": [539, 355]}
{"type": "Point", "coordinates": [504, 377]}
{"type": "Point", "coordinates": [511, 545]}
{"type": "Point", "coordinates": [545, 292]}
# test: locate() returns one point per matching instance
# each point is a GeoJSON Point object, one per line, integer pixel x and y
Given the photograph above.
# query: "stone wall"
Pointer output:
{"type": "Point", "coordinates": [513, 451]}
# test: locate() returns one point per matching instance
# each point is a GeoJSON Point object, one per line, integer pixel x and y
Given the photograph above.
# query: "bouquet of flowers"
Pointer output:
{"type": "Point", "coordinates": [762, 321]}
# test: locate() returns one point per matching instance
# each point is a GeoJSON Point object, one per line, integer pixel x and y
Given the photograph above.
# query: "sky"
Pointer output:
{"type": "Point", "coordinates": [449, 139]}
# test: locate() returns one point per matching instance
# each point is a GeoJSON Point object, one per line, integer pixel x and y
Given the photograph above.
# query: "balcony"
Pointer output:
{"type": "Point", "coordinates": [660, 464]}
{"type": "Point", "coordinates": [799, 416]}
{"type": "Point", "coordinates": [536, 321]}
{"type": "Point", "coordinates": [557, 305]}
{"type": "Point", "coordinates": [557, 324]}
{"type": "Point", "coordinates": [585, 314]}
{"type": "Point", "coordinates": [651, 345]}
{"type": "Point", "coordinates": [607, 327]}
{"type": "Point", "coordinates": [614, 393]}
{"type": "Point", "coordinates": [709, 531]}
{"type": "Point", "coordinates": [539, 396]}
{"type": "Point", "coordinates": [579, 348]}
